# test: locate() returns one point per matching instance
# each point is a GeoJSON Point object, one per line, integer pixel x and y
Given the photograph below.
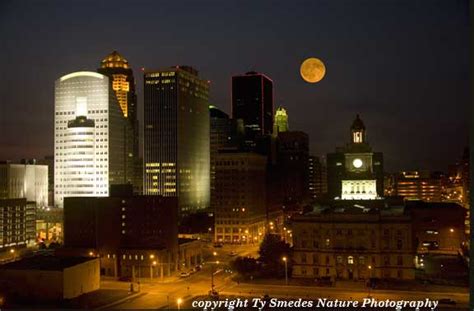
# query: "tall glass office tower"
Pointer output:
{"type": "Point", "coordinates": [252, 101]}
{"type": "Point", "coordinates": [176, 137]}
{"type": "Point", "coordinates": [122, 81]}
{"type": "Point", "coordinates": [90, 137]}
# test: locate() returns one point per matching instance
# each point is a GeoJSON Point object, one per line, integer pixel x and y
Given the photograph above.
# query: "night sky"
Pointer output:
{"type": "Point", "coordinates": [402, 65]}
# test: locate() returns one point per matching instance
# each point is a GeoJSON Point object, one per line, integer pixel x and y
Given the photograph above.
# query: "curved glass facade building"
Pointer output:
{"type": "Point", "coordinates": [79, 160]}
{"type": "Point", "coordinates": [90, 134]}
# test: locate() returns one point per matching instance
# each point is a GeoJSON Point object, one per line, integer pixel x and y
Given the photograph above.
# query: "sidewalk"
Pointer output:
{"type": "Point", "coordinates": [361, 285]}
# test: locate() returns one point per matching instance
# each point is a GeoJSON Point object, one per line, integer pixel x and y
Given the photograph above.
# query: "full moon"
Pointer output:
{"type": "Point", "coordinates": [312, 70]}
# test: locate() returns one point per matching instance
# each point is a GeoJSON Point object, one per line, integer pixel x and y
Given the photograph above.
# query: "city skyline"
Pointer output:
{"type": "Point", "coordinates": [422, 63]}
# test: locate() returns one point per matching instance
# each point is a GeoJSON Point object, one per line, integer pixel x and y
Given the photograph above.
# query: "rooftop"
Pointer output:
{"type": "Point", "coordinates": [46, 263]}
{"type": "Point", "coordinates": [114, 60]}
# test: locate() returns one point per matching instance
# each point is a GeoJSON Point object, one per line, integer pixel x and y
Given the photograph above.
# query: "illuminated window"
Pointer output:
{"type": "Point", "coordinates": [357, 137]}
{"type": "Point", "coordinates": [350, 260]}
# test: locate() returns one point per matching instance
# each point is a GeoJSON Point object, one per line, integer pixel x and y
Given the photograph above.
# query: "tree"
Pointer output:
{"type": "Point", "coordinates": [245, 265]}
{"type": "Point", "coordinates": [54, 245]}
{"type": "Point", "coordinates": [272, 250]}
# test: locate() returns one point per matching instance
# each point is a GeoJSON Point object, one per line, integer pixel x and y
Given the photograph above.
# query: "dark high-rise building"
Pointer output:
{"type": "Point", "coordinates": [355, 172]}
{"type": "Point", "coordinates": [122, 82]}
{"type": "Point", "coordinates": [176, 136]}
{"type": "Point", "coordinates": [317, 178]}
{"type": "Point", "coordinates": [291, 170]}
{"type": "Point", "coordinates": [221, 129]}
{"type": "Point", "coordinates": [252, 101]}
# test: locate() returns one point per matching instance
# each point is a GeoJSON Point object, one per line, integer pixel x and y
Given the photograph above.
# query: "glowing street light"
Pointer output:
{"type": "Point", "coordinates": [178, 302]}
{"type": "Point", "coordinates": [286, 269]}
{"type": "Point", "coordinates": [214, 253]}
{"type": "Point", "coordinates": [152, 256]}
{"type": "Point", "coordinates": [368, 284]}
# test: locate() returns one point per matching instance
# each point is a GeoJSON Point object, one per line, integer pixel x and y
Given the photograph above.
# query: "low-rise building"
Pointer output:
{"type": "Point", "coordinates": [49, 278]}
{"type": "Point", "coordinates": [418, 185]}
{"type": "Point", "coordinates": [125, 231]}
{"type": "Point", "coordinates": [17, 223]}
{"type": "Point", "coordinates": [353, 242]}
{"type": "Point", "coordinates": [437, 227]}
{"type": "Point", "coordinates": [24, 180]}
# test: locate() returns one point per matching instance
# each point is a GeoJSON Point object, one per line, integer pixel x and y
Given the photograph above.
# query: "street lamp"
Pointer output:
{"type": "Point", "coordinates": [178, 302]}
{"type": "Point", "coordinates": [369, 285]}
{"type": "Point", "coordinates": [286, 270]}
{"type": "Point", "coordinates": [212, 275]}
{"type": "Point", "coordinates": [151, 268]}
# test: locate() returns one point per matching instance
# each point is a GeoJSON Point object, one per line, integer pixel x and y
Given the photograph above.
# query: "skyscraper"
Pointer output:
{"type": "Point", "coordinates": [176, 136]}
{"type": "Point", "coordinates": [281, 121]}
{"type": "Point", "coordinates": [317, 177]}
{"type": "Point", "coordinates": [122, 82]}
{"type": "Point", "coordinates": [292, 167]}
{"type": "Point", "coordinates": [252, 101]}
{"type": "Point", "coordinates": [90, 137]}
{"type": "Point", "coordinates": [239, 203]}
{"type": "Point", "coordinates": [221, 136]}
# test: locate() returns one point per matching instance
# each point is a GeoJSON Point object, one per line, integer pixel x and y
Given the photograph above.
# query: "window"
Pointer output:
{"type": "Point", "coordinates": [361, 260]}
{"type": "Point", "coordinates": [400, 260]}
{"type": "Point", "coordinates": [399, 244]}
{"type": "Point", "coordinates": [400, 274]}
{"type": "Point", "coordinates": [316, 271]}
{"type": "Point", "coordinates": [386, 260]}
{"type": "Point", "coordinates": [339, 259]}
{"type": "Point", "coordinates": [303, 258]}
{"type": "Point", "coordinates": [350, 260]}
{"type": "Point", "coordinates": [315, 259]}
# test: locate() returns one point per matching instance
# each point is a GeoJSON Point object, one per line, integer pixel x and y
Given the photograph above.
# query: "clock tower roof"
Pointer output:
{"type": "Point", "coordinates": [358, 124]}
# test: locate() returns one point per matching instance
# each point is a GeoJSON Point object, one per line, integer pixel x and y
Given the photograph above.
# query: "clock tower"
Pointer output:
{"type": "Point", "coordinates": [355, 172]}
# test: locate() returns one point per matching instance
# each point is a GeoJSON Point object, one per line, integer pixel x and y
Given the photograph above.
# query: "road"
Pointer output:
{"type": "Point", "coordinates": [163, 294]}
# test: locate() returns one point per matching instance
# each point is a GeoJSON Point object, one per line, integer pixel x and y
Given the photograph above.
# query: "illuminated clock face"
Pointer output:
{"type": "Point", "coordinates": [357, 163]}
